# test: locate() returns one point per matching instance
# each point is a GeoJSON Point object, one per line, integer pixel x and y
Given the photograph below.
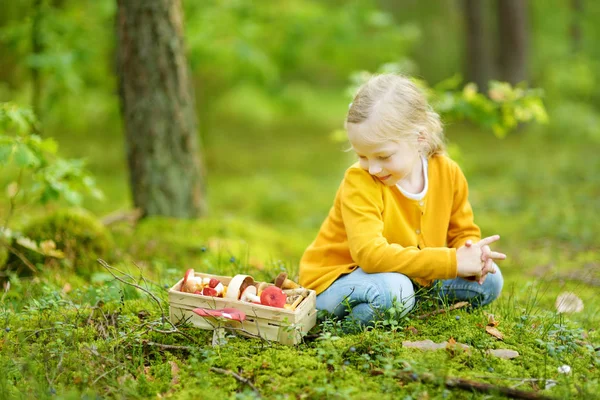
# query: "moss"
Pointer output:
{"type": "Point", "coordinates": [77, 233]}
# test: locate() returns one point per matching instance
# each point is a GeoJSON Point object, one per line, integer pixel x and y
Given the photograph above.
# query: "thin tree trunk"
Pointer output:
{"type": "Point", "coordinates": [36, 50]}
{"type": "Point", "coordinates": [157, 104]}
{"type": "Point", "coordinates": [576, 16]}
{"type": "Point", "coordinates": [513, 40]}
{"type": "Point", "coordinates": [478, 54]}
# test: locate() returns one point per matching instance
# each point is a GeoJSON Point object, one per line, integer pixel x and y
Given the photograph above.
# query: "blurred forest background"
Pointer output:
{"type": "Point", "coordinates": [269, 84]}
{"type": "Point", "coordinates": [266, 95]}
{"type": "Point", "coordinates": [222, 122]}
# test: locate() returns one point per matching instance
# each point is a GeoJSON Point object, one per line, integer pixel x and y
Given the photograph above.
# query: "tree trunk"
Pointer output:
{"type": "Point", "coordinates": [36, 49]}
{"type": "Point", "coordinates": [512, 30]}
{"type": "Point", "coordinates": [157, 105]}
{"type": "Point", "coordinates": [576, 17]}
{"type": "Point", "coordinates": [478, 54]}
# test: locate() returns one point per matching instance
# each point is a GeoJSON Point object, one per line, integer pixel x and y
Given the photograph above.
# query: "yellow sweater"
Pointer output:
{"type": "Point", "coordinates": [374, 226]}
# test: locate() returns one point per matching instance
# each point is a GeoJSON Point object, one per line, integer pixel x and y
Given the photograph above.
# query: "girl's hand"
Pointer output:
{"type": "Point", "coordinates": [476, 260]}
{"type": "Point", "coordinates": [488, 256]}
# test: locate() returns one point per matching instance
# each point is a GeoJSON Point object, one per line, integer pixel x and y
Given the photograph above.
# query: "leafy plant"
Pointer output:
{"type": "Point", "coordinates": [40, 175]}
{"type": "Point", "coordinates": [501, 110]}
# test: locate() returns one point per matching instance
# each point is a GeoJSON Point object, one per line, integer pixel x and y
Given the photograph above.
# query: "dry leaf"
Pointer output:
{"type": "Point", "coordinates": [494, 332]}
{"type": "Point", "coordinates": [492, 321]}
{"type": "Point", "coordinates": [66, 288]}
{"type": "Point", "coordinates": [568, 302]}
{"type": "Point", "coordinates": [506, 354]}
{"type": "Point", "coordinates": [412, 330]}
{"type": "Point", "coordinates": [174, 373]}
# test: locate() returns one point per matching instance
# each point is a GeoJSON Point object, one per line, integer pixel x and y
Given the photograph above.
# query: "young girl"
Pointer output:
{"type": "Point", "coordinates": [401, 215]}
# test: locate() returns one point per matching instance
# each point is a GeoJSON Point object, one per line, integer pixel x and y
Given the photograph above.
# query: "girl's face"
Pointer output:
{"type": "Point", "coordinates": [390, 162]}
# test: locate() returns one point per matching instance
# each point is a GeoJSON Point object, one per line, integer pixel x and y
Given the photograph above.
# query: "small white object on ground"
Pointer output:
{"type": "Point", "coordinates": [564, 369]}
{"type": "Point", "coordinates": [568, 302]}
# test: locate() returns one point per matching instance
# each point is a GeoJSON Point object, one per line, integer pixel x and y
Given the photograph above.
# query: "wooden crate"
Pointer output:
{"type": "Point", "coordinates": [274, 324]}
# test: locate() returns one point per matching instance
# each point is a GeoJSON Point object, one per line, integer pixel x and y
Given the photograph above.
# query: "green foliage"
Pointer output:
{"type": "Point", "coordinates": [35, 162]}
{"type": "Point", "coordinates": [40, 176]}
{"type": "Point", "coordinates": [501, 110]}
{"type": "Point", "coordinates": [76, 233]}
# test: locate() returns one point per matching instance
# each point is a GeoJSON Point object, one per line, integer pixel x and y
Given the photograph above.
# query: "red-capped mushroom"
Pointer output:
{"type": "Point", "coordinates": [273, 296]}
{"type": "Point", "coordinates": [207, 291]}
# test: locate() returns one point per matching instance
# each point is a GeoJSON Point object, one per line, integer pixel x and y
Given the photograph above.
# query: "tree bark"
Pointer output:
{"type": "Point", "coordinates": [36, 49]}
{"type": "Point", "coordinates": [577, 16]}
{"type": "Point", "coordinates": [158, 109]}
{"type": "Point", "coordinates": [478, 54]}
{"type": "Point", "coordinates": [513, 40]}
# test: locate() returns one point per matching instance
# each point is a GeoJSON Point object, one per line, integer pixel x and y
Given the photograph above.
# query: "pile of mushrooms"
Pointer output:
{"type": "Point", "coordinates": [243, 288]}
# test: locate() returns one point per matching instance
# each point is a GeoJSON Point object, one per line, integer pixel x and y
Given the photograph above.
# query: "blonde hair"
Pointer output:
{"type": "Point", "coordinates": [398, 111]}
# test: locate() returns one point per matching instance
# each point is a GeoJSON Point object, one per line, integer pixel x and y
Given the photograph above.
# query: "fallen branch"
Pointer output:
{"type": "Point", "coordinates": [465, 384]}
{"type": "Point", "coordinates": [163, 319]}
{"type": "Point", "coordinates": [460, 304]}
{"type": "Point", "coordinates": [237, 377]}
{"type": "Point", "coordinates": [489, 388]}
{"type": "Point", "coordinates": [118, 216]}
{"type": "Point", "coordinates": [168, 346]}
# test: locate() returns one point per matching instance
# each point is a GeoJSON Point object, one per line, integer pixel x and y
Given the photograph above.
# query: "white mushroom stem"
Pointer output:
{"type": "Point", "coordinates": [219, 288]}
{"type": "Point", "coordinates": [249, 294]}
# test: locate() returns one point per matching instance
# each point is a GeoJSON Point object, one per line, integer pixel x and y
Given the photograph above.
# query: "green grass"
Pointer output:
{"type": "Point", "coordinates": [269, 190]}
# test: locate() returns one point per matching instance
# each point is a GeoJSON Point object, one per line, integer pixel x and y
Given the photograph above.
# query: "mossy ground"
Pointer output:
{"type": "Point", "coordinates": [66, 336]}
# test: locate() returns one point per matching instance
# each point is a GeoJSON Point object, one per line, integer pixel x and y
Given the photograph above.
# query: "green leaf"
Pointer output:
{"type": "Point", "coordinates": [24, 157]}
{"type": "Point", "coordinates": [6, 151]}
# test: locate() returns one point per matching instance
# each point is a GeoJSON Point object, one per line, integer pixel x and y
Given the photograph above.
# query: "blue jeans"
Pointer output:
{"type": "Point", "coordinates": [364, 296]}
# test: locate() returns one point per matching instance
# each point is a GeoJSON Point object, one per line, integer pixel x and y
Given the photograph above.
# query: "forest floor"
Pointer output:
{"type": "Point", "coordinates": [66, 336]}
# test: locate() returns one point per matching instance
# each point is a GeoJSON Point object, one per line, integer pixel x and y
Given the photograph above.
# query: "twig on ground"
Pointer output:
{"type": "Point", "coordinates": [460, 304]}
{"type": "Point", "coordinates": [135, 285]}
{"type": "Point", "coordinates": [118, 216]}
{"type": "Point", "coordinates": [168, 346]}
{"type": "Point", "coordinates": [21, 257]}
{"type": "Point", "coordinates": [489, 388]}
{"type": "Point", "coordinates": [237, 377]}
{"type": "Point", "coordinates": [465, 384]}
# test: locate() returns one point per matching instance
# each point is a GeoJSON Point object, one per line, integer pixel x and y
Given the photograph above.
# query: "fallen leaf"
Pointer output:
{"type": "Point", "coordinates": [452, 346]}
{"type": "Point", "coordinates": [506, 354]}
{"type": "Point", "coordinates": [492, 321]}
{"type": "Point", "coordinates": [568, 302]}
{"type": "Point", "coordinates": [494, 332]}
{"type": "Point", "coordinates": [174, 373]}
{"type": "Point", "coordinates": [66, 288]}
{"type": "Point", "coordinates": [412, 329]}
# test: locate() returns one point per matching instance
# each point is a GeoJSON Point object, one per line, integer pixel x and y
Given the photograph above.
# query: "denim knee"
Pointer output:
{"type": "Point", "coordinates": [492, 287]}
{"type": "Point", "coordinates": [401, 289]}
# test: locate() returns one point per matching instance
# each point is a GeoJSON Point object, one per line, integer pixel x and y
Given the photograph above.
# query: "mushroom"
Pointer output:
{"type": "Point", "coordinates": [273, 296]}
{"type": "Point", "coordinates": [249, 294]}
{"type": "Point", "coordinates": [262, 286]}
{"type": "Point", "coordinates": [237, 285]}
{"type": "Point", "coordinates": [216, 284]}
{"type": "Point", "coordinates": [191, 283]}
{"type": "Point", "coordinates": [283, 282]}
{"type": "Point", "coordinates": [208, 291]}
